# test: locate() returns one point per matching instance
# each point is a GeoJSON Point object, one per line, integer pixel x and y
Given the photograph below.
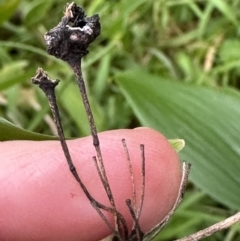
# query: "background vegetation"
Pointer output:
{"type": "Point", "coordinates": [172, 65]}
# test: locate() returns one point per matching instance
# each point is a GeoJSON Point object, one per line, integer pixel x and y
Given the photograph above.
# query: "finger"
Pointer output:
{"type": "Point", "coordinates": [40, 199]}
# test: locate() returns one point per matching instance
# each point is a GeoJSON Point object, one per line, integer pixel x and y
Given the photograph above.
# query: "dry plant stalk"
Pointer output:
{"type": "Point", "coordinates": [69, 41]}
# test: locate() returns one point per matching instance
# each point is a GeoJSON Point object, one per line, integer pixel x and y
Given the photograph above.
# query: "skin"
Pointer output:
{"type": "Point", "coordinates": [40, 199]}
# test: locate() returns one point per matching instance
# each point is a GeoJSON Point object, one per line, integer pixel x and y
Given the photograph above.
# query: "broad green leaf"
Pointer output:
{"type": "Point", "coordinates": [7, 8]}
{"type": "Point", "coordinates": [13, 73]}
{"type": "Point", "coordinates": [36, 10]}
{"type": "Point", "coordinates": [226, 9]}
{"type": "Point", "coordinates": [208, 121]}
{"type": "Point", "coordinates": [9, 131]}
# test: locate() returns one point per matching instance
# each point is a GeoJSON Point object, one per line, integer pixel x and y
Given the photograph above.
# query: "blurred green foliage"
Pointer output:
{"type": "Point", "coordinates": [187, 43]}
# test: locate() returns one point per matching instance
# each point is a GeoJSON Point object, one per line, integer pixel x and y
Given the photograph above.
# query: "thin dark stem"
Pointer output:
{"type": "Point", "coordinates": [106, 221]}
{"type": "Point", "coordinates": [78, 72]}
{"type": "Point", "coordinates": [123, 232]}
{"type": "Point", "coordinates": [136, 212]}
{"type": "Point", "coordinates": [48, 87]}
{"type": "Point", "coordinates": [139, 234]}
{"type": "Point", "coordinates": [156, 229]}
{"type": "Point", "coordinates": [131, 175]}
{"type": "Point", "coordinates": [143, 173]}
{"type": "Point", "coordinates": [69, 41]}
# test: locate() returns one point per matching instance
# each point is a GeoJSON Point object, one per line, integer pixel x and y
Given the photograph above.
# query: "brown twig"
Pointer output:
{"type": "Point", "coordinates": [226, 223]}
{"type": "Point", "coordinates": [48, 86]}
{"type": "Point", "coordinates": [69, 41]}
{"type": "Point", "coordinates": [155, 230]}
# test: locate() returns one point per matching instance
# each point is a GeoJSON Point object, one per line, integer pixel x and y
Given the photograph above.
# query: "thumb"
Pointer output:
{"type": "Point", "coordinates": [40, 199]}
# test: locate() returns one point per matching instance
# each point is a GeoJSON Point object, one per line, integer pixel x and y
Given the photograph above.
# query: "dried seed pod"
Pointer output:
{"type": "Point", "coordinates": [70, 39]}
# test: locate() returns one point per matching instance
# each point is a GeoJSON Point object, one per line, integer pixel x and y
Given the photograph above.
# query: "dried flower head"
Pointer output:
{"type": "Point", "coordinates": [70, 39]}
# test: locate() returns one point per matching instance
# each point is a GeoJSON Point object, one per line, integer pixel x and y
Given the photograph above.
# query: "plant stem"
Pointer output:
{"type": "Point", "coordinates": [103, 176]}
{"type": "Point", "coordinates": [48, 87]}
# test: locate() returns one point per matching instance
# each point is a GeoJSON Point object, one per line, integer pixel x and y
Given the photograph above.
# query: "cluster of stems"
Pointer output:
{"type": "Point", "coordinates": [69, 41]}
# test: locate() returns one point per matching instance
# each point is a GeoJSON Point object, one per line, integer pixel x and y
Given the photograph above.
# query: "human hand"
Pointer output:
{"type": "Point", "coordinates": [40, 199]}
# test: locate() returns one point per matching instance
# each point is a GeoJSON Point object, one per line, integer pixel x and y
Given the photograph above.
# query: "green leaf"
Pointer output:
{"type": "Point", "coordinates": [226, 10]}
{"type": "Point", "coordinates": [9, 131]}
{"type": "Point", "coordinates": [7, 8]}
{"type": "Point", "coordinates": [177, 144]}
{"type": "Point", "coordinates": [13, 73]}
{"type": "Point", "coordinates": [36, 10]}
{"type": "Point", "coordinates": [207, 119]}
{"type": "Point", "coordinates": [27, 47]}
